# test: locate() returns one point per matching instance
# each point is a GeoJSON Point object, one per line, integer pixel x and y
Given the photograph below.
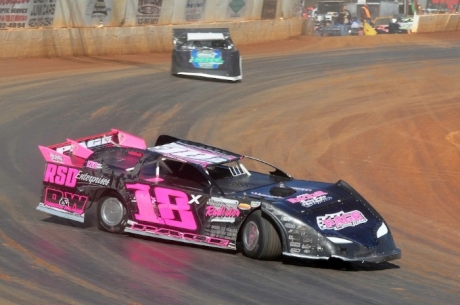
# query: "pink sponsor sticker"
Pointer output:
{"type": "Point", "coordinates": [340, 220]}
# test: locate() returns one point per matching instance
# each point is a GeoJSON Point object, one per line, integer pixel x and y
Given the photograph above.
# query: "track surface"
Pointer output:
{"type": "Point", "coordinates": [380, 112]}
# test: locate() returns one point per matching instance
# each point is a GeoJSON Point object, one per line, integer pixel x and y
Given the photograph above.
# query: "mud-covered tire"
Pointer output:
{"type": "Point", "coordinates": [111, 215]}
{"type": "Point", "coordinates": [259, 238]}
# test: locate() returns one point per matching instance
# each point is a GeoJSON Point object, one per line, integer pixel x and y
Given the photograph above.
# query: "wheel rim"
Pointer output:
{"type": "Point", "coordinates": [112, 212]}
{"type": "Point", "coordinates": [250, 235]}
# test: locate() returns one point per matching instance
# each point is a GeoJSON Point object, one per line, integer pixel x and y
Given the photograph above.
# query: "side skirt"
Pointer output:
{"type": "Point", "coordinates": [168, 234]}
{"type": "Point", "coordinates": [61, 213]}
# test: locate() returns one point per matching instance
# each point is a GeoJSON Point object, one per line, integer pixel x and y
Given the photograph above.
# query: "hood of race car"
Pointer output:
{"type": "Point", "coordinates": [335, 210]}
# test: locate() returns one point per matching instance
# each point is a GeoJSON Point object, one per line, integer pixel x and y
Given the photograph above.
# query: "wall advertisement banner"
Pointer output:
{"type": "Point", "coordinates": [17, 14]}
{"type": "Point", "coordinates": [98, 12]}
{"type": "Point", "coordinates": [148, 12]}
{"type": "Point", "coordinates": [269, 9]}
{"type": "Point", "coordinates": [194, 11]}
{"type": "Point", "coordinates": [236, 8]}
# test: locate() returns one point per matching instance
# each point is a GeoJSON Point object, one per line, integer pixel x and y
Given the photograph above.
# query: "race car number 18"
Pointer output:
{"type": "Point", "coordinates": [167, 201]}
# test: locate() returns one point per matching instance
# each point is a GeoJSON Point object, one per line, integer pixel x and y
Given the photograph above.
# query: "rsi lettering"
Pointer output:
{"type": "Point", "coordinates": [68, 176]}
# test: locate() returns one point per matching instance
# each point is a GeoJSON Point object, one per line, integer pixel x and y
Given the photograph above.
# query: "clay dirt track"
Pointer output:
{"type": "Point", "coordinates": [381, 112]}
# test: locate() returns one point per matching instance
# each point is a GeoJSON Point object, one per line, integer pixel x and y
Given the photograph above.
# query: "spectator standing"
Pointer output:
{"type": "Point", "coordinates": [365, 14]}
{"type": "Point", "coordinates": [344, 20]}
{"type": "Point", "coordinates": [419, 9]}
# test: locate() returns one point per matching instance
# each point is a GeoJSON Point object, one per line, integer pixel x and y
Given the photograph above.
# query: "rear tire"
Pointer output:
{"type": "Point", "coordinates": [111, 215]}
{"type": "Point", "coordinates": [260, 239]}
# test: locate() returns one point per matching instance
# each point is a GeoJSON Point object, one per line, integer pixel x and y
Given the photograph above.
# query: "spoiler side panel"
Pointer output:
{"type": "Point", "coordinates": [53, 156]}
{"type": "Point", "coordinates": [128, 140]}
{"type": "Point", "coordinates": [75, 152]}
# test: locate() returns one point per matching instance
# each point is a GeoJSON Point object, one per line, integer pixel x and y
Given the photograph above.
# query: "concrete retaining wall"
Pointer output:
{"type": "Point", "coordinates": [436, 23]}
{"type": "Point", "coordinates": [23, 14]}
{"type": "Point", "coordinates": [59, 42]}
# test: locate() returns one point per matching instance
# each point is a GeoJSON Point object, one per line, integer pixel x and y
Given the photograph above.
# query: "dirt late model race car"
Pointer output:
{"type": "Point", "coordinates": [207, 53]}
{"type": "Point", "coordinates": [195, 193]}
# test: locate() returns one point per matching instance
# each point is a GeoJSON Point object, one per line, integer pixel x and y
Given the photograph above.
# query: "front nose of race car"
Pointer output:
{"type": "Point", "coordinates": [349, 236]}
{"type": "Point", "coordinates": [334, 221]}
{"type": "Point", "coordinates": [376, 247]}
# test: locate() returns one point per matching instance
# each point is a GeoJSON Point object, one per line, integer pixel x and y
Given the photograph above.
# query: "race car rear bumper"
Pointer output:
{"type": "Point", "coordinates": [214, 76]}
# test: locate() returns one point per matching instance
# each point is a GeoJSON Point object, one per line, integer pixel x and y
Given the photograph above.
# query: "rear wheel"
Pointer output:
{"type": "Point", "coordinates": [111, 214]}
{"type": "Point", "coordinates": [260, 239]}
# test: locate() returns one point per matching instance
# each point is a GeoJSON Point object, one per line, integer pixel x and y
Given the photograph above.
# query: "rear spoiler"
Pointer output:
{"type": "Point", "coordinates": [75, 152]}
{"type": "Point", "coordinates": [177, 33]}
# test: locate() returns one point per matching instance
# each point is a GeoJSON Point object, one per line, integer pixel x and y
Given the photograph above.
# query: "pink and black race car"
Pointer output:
{"type": "Point", "coordinates": [195, 193]}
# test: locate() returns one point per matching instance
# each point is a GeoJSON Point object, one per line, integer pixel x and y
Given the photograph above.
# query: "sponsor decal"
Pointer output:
{"type": "Point", "coordinates": [61, 175]}
{"type": "Point", "coordinates": [308, 203]}
{"type": "Point", "coordinates": [206, 59]}
{"type": "Point", "coordinates": [56, 158]}
{"type": "Point", "coordinates": [255, 204]}
{"type": "Point", "coordinates": [225, 230]}
{"type": "Point", "coordinates": [195, 154]}
{"type": "Point", "coordinates": [195, 238]}
{"type": "Point", "coordinates": [65, 201]}
{"type": "Point", "coordinates": [290, 225]}
{"type": "Point", "coordinates": [222, 214]}
{"type": "Point", "coordinates": [307, 196]}
{"type": "Point", "coordinates": [340, 220]}
{"type": "Point", "coordinates": [93, 179]}
{"type": "Point", "coordinates": [294, 238]}
{"type": "Point", "coordinates": [68, 176]}
{"type": "Point", "coordinates": [217, 201]}
{"type": "Point", "coordinates": [104, 140]}
{"type": "Point", "coordinates": [294, 244]}
{"type": "Point", "coordinates": [294, 250]}
{"type": "Point", "coordinates": [93, 165]}
{"type": "Point", "coordinates": [222, 209]}
{"type": "Point", "coordinates": [244, 206]}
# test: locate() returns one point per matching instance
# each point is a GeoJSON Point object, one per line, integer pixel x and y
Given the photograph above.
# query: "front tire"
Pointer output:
{"type": "Point", "coordinates": [111, 215]}
{"type": "Point", "coordinates": [260, 239]}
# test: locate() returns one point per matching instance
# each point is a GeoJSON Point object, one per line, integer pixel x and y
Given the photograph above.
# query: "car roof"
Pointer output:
{"type": "Point", "coordinates": [192, 152]}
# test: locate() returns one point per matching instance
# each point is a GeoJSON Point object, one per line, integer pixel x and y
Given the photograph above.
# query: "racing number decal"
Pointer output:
{"type": "Point", "coordinates": [144, 203]}
{"type": "Point", "coordinates": [167, 201]}
{"type": "Point", "coordinates": [165, 206]}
